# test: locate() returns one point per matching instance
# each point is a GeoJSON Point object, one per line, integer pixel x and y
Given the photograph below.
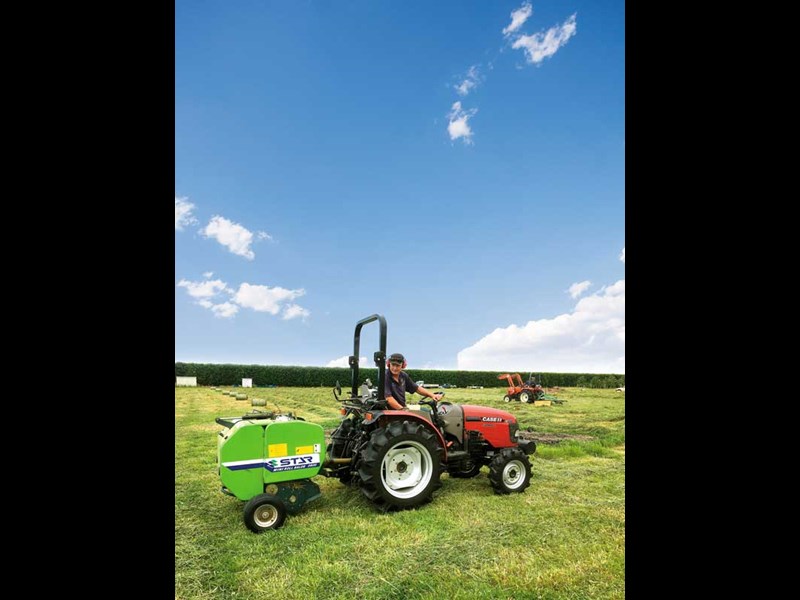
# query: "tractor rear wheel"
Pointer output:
{"type": "Point", "coordinates": [263, 512]}
{"type": "Point", "coordinates": [399, 466]}
{"type": "Point", "coordinates": [510, 471]}
{"type": "Point", "coordinates": [526, 397]}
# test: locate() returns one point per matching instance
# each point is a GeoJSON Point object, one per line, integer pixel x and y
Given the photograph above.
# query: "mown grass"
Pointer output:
{"type": "Point", "coordinates": [563, 538]}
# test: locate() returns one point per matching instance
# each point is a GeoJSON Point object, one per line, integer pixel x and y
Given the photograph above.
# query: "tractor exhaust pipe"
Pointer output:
{"type": "Point", "coordinates": [337, 461]}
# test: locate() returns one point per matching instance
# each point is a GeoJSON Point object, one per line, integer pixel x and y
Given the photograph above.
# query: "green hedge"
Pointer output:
{"type": "Point", "coordinates": [263, 375]}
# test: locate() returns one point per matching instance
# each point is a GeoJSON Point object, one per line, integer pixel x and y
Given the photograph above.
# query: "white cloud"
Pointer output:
{"type": "Point", "coordinates": [590, 339]}
{"type": "Point", "coordinates": [183, 213]}
{"type": "Point", "coordinates": [540, 45]}
{"type": "Point", "coordinates": [263, 235]}
{"type": "Point", "coordinates": [208, 289]}
{"type": "Point", "coordinates": [291, 311]}
{"type": "Point", "coordinates": [233, 236]}
{"type": "Point", "coordinates": [263, 298]}
{"type": "Point", "coordinates": [458, 127]}
{"type": "Point", "coordinates": [342, 361]}
{"type": "Point", "coordinates": [518, 17]}
{"type": "Point", "coordinates": [622, 256]}
{"type": "Point", "coordinates": [471, 81]}
{"type": "Point", "coordinates": [208, 274]}
{"type": "Point", "coordinates": [260, 298]}
{"type": "Point", "coordinates": [202, 289]}
{"type": "Point", "coordinates": [576, 289]}
{"type": "Point", "coordinates": [224, 310]}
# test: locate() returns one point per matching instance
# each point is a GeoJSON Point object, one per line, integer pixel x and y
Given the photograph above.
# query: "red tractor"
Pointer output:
{"type": "Point", "coordinates": [397, 456]}
{"type": "Point", "coordinates": [527, 392]}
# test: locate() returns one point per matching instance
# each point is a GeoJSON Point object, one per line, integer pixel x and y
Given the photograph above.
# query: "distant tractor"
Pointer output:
{"type": "Point", "coordinates": [528, 391]}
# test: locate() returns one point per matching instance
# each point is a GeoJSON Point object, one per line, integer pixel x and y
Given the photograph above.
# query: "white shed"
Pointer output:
{"type": "Point", "coordinates": [247, 382]}
{"type": "Point", "coordinates": [186, 381]}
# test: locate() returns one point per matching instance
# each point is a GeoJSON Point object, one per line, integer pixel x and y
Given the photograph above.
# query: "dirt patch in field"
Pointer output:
{"type": "Point", "coordinates": [552, 438]}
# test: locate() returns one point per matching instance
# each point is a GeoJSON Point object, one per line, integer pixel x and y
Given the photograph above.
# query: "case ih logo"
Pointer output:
{"type": "Point", "coordinates": [290, 463]}
{"type": "Point", "coordinates": [492, 419]}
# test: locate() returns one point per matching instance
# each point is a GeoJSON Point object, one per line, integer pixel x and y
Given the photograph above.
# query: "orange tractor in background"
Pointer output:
{"type": "Point", "coordinates": [527, 392]}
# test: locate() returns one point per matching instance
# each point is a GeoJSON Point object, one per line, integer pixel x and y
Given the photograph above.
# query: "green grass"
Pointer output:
{"type": "Point", "coordinates": [564, 537]}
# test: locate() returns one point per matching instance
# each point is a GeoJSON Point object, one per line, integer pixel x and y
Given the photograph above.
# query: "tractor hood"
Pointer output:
{"type": "Point", "coordinates": [486, 414]}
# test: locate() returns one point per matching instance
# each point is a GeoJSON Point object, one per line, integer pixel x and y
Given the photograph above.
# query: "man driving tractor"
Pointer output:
{"type": "Point", "coordinates": [398, 383]}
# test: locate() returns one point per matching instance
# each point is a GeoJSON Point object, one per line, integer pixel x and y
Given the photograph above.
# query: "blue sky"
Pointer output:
{"type": "Point", "coordinates": [455, 166]}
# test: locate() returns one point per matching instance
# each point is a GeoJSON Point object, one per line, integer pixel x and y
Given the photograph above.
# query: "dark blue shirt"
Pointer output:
{"type": "Point", "coordinates": [397, 390]}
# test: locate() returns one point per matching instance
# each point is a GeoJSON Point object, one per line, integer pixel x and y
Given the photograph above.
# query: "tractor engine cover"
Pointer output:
{"type": "Point", "coordinates": [497, 427]}
{"type": "Point", "coordinates": [452, 416]}
{"type": "Point", "coordinates": [255, 452]}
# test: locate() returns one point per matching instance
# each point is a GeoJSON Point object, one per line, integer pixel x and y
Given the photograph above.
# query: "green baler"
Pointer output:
{"type": "Point", "coordinates": [267, 460]}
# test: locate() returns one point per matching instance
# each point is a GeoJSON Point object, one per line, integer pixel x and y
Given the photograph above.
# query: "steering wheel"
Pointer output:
{"type": "Point", "coordinates": [432, 403]}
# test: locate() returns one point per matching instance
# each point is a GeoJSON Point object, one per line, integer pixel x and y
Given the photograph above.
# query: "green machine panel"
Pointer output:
{"type": "Point", "coordinates": [258, 452]}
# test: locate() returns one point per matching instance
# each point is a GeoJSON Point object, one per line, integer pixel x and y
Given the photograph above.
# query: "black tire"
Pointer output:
{"type": "Point", "coordinates": [386, 461]}
{"type": "Point", "coordinates": [465, 470]}
{"type": "Point", "coordinates": [264, 512]}
{"type": "Point", "coordinates": [526, 397]}
{"type": "Point", "coordinates": [510, 471]}
{"type": "Point", "coordinates": [506, 398]}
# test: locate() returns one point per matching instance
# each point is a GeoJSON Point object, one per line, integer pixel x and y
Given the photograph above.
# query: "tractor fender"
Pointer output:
{"type": "Point", "coordinates": [384, 417]}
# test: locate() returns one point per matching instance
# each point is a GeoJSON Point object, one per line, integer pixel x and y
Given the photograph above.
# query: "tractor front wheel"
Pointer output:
{"type": "Point", "coordinates": [506, 398]}
{"type": "Point", "coordinates": [399, 466]}
{"type": "Point", "coordinates": [510, 471]}
{"type": "Point", "coordinates": [263, 512]}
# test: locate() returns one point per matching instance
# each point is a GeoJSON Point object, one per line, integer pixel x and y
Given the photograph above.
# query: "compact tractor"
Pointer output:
{"type": "Point", "coordinates": [395, 457]}
{"type": "Point", "coordinates": [528, 391]}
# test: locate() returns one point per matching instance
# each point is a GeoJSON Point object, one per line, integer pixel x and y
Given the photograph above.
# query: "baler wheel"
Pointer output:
{"type": "Point", "coordinates": [264, 512]}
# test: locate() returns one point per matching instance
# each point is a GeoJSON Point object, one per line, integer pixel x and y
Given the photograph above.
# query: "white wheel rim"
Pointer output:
{"type": "Point", "coordinates": [265, 515]}
{"type": "Point", "coordinates": [406, 469]}
{"type": "Point", "coordinates": [513, 474]}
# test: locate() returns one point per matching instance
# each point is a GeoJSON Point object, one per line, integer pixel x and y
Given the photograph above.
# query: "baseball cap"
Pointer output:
{"type": "Point", "coordinates": [397, 357]}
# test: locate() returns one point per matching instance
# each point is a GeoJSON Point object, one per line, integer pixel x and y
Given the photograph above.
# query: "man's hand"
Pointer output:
{"type": "Point", "coordinates": [394, 404]}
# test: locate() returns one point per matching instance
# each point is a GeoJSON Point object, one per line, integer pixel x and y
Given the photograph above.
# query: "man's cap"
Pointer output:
{"type": "Point", "coordinates": [397, 357]}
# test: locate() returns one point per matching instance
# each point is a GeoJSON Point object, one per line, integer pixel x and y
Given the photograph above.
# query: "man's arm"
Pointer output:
{"type": "Point", "coordinates": [393, 403]}
{"type": "Point", "coordinates": [423, 392]}
{"type": "Point", "coordinates": [387, 393]}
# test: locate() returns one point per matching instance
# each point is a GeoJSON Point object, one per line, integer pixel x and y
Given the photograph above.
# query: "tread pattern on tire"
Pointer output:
{"type": "Point", "coordinates": [369, 470]}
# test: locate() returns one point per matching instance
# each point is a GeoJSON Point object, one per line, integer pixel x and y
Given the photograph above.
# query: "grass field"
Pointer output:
{"type": "Point", "coordinates": [564, 537]}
